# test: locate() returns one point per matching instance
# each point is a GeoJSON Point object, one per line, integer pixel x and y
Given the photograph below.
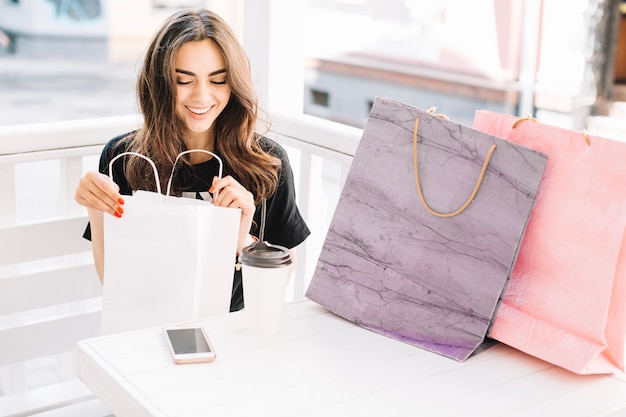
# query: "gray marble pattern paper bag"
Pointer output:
{"type": "Point", "coordinates": [390, 265]}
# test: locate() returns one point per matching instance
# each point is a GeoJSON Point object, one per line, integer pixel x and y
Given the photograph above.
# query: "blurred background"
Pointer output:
{"type": "Point", "coordinates": [563, 61]}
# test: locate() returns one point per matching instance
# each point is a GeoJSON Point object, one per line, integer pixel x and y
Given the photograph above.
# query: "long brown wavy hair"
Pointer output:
{"type": "Point", "coordinates": [161, 135]}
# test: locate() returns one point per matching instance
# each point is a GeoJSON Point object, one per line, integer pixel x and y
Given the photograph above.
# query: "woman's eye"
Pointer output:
{"type": "Point", "coordinates": [182, 82]}
{"type": "Point", "coordinates": [219, 82]}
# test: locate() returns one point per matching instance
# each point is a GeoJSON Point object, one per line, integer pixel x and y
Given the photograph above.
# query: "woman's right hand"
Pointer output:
{"type": "Point", "coordinates": [97, 191]}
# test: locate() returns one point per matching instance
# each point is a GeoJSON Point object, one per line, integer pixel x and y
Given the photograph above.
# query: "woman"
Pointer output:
{"type": "Point", "coordinates": [195, 92]}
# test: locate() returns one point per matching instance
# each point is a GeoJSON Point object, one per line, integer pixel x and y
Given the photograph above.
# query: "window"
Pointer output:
{"type": "Point", "coordinates": [320, 97]}
{"type": "Point", "coordinates": [79, 10]}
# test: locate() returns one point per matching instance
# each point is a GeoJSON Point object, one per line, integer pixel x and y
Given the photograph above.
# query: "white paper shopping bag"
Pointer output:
{"type": "Point", "coordinates": [167, 259]}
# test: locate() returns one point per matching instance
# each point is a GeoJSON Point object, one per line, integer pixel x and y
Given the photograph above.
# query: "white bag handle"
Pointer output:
{"type": "Point", "coordinates": [156, 173]}
{"type": "Point", "coordinates": [154, 168]}
{"type": "Point", "coordinates": [169, 182]}
{"type": "Point", "coordinates": [219, 174]}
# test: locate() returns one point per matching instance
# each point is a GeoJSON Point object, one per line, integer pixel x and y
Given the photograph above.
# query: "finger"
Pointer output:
{"type": "Point", "coordinates": [96, 191]}
{"type": "Point", "coordinates": [225, 197]}
{"type": "Point", "coordinates": [219, 184]}
{"type": "Point", "coordinates": [94, 199]}
{"type": "Point", "coordinates": [236, 198]}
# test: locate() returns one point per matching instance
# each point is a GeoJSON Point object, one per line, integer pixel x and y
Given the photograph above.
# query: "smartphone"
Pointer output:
{"type": "Point", "coordinates": [189, 344]}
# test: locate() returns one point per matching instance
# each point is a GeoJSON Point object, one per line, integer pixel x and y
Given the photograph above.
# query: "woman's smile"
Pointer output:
{"type": "Point", "coordinates": [199, 111]}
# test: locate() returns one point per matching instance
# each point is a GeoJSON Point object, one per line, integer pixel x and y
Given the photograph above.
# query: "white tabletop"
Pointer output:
{"type": "Point", "coordinates": [322, 365]}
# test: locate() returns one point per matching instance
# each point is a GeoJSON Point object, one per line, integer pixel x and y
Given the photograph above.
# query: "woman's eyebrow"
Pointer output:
{"type": "Point", "coordinates": [219, 71]}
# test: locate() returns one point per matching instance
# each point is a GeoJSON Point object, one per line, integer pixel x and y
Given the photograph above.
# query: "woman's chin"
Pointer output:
{"type": "Point", "coordinates": [195, 126]}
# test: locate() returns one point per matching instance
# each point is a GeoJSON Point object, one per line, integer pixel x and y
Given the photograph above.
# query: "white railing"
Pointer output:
{"type": "Point", "coordinates": [320, 153]}
{"type": "Point", "coordinates": [49, 294]}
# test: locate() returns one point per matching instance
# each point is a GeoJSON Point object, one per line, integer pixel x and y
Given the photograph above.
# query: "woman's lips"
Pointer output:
{"type": "Point", "coordinates": [199, 111]}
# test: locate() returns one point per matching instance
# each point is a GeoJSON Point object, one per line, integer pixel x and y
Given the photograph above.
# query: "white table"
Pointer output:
{"type": "Point", "coordinates": [323, 365]}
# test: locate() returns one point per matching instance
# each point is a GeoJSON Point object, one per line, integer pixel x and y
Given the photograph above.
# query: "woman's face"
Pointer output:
{"type": "Point", "coordinates": [201, 89]}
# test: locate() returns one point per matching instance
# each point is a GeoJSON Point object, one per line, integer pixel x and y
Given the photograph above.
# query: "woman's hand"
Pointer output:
{"type": "Point", "coordinates": [232, 194]}
{"type": "Point", "coordinates": [97, 191]}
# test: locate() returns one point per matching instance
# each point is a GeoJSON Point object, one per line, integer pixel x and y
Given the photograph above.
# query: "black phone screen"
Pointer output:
{"type": "Point", "coordinates": [188, 341]}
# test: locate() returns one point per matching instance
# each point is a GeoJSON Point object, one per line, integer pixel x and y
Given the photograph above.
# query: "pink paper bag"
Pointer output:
{"type": "Point", "coordinates": [566, 300]}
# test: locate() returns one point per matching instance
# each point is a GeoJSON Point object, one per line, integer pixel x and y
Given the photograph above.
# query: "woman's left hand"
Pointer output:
{"type": "Point", "coordinates": [232, 194]}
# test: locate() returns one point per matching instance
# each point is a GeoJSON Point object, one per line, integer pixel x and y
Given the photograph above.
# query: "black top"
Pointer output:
{"type": "Point", "coordinates": [283, 225]}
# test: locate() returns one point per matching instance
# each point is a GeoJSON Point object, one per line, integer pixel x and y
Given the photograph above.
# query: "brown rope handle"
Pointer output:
{"type": "Point", "coordinates": [586, 137]}
{"type": "Point", "coordinates": [432, 111]}
{"type": "Point", "coordinates": [532, 119]}
{"type": "Point", "coordinates": [522, 119]}
{"type": "Point", "coordinates": [419, 186]}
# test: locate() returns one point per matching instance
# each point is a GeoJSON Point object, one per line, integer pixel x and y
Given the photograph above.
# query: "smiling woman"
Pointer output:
{"type": "Point", "coordinates": [201, 90]}
{"type": "Point", "coordinates": [195, 92]}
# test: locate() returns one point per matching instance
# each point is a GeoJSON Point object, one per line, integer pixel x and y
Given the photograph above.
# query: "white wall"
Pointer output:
{"type": "Point", "coordinates": [132, 24]}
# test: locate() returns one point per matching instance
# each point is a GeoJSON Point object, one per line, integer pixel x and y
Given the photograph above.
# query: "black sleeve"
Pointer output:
{"type": "Point", "coordinates": [284, 225]}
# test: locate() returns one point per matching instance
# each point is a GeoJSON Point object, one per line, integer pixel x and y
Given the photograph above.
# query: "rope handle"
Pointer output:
{"type": "Point", "coordinates": [523, 119]}
{"type": "Point", "coordinates": [586, 137]}
{"type": "Point", "coordinates": [419, 186]}
{"type": "Point", "coordinates": [532, 119]}
{"type": "Point", "coordinates": [432, 111]}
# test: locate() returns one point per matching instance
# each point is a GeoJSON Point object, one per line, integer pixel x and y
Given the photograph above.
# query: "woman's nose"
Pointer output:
{"type": "Point", "coordinates": [203, 91]}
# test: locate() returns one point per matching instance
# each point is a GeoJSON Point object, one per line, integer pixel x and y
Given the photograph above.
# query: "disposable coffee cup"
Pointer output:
{"type": "Point", "coordinates": [265, 275]}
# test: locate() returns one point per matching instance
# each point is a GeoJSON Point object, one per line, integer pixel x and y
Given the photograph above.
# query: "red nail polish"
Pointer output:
{"type": "Point", "coordinates": [116, 214]}
{"type": "Point", "coordinates": [120, 200]}
{"type": "Point", "coordinates": [120, 210]}
{"type": "Point", "coordinates": [212, 189]}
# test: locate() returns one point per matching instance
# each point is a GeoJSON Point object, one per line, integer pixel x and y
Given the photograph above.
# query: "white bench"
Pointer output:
{"type": "Point", "coordinates": [50, 296]}
{"type": "Point", "coordinates": [49, 300]}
